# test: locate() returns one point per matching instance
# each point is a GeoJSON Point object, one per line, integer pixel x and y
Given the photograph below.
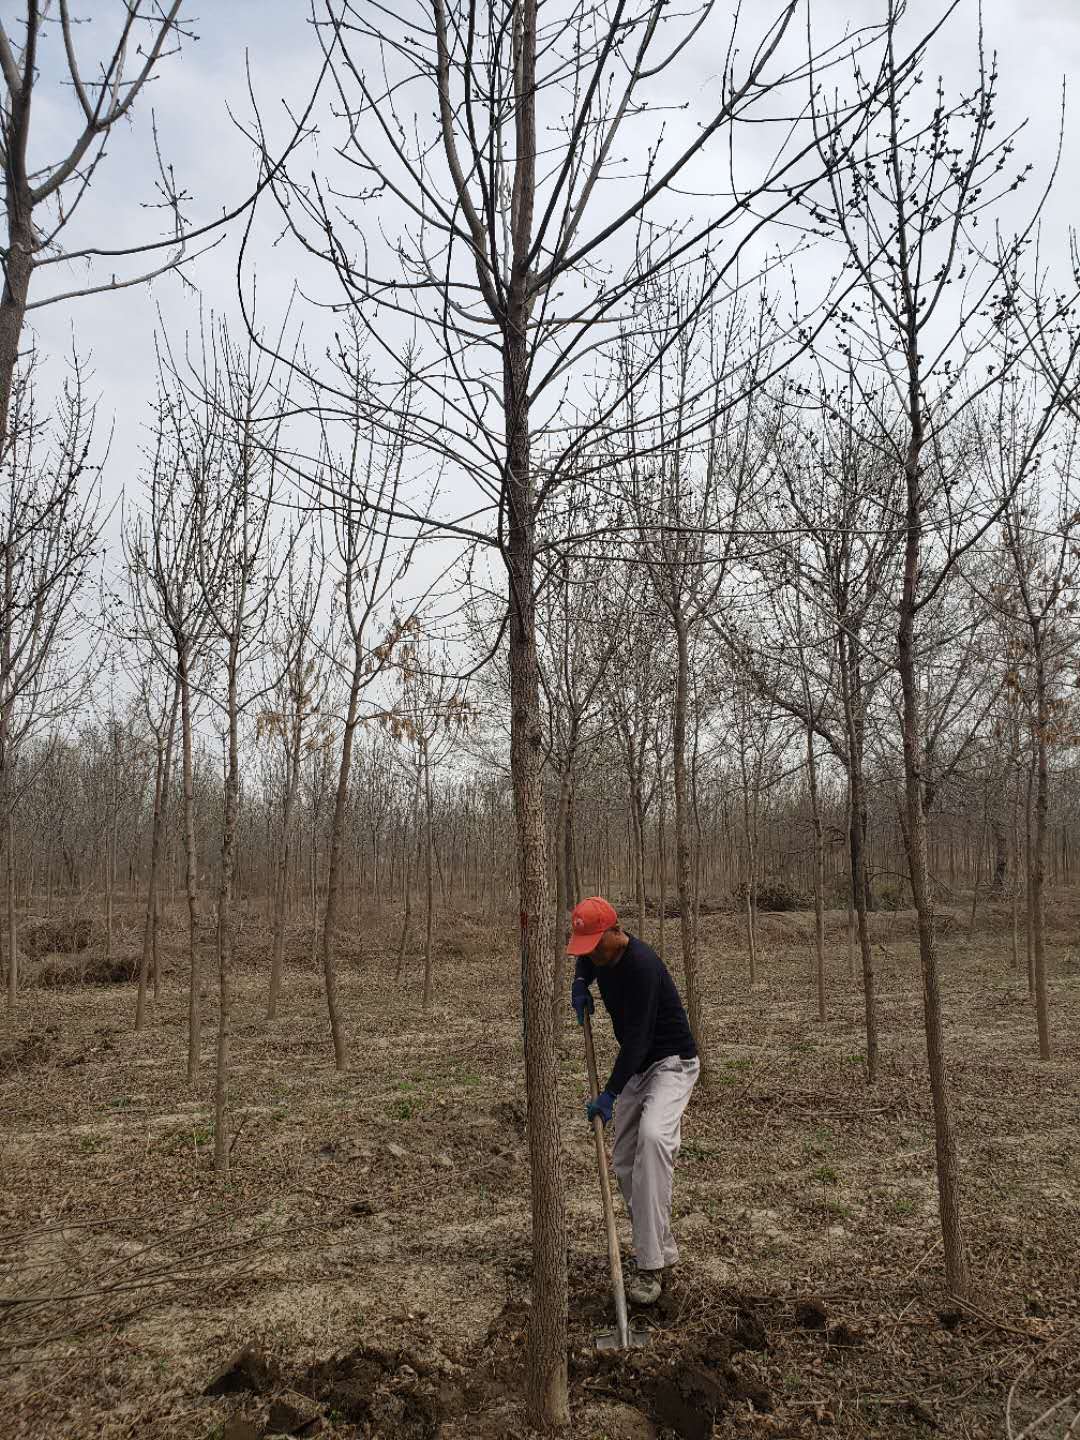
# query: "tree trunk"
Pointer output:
{"type": "Point", "coordinates": [545, 1363]}
{"type": "Point", "coordinates": [191, 874]}
{"type": "Point", "coordinates": [956, 1264]}
{"type": "Point", "coordinates": [638, 820]}
{"type": "Point", "coordinates": [18, 266]}
{"type": "Point", "coordinates": [406, 870]}
{"type": "Point", "coordinates": [9, 888]}
{"type": "Point", "coordinates": [334, 866]}
{"type": "Point", "coordinates": [819, 875]}
{"type": "Point", "coordinates": [226, 928]}
{"type": "Point", "coordinates": [281, 881]}
{"type": "Point", "coordinates": [429, 881]}
{"type": "Point", "coordinates": [1029, 847]}
{"type": "Point", "coordinates": [161, 773]}
{"type": "Point", "coordinates": [684, 879]}
{"type": "Point", "coordinates": [1038, 867]}
{"type": "Point", "coordinates": [851, 689]}
{"type": "Point", "coordinates": [560, 927]}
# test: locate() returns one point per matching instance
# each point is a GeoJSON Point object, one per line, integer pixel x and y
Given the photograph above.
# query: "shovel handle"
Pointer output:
{"type": "Point", "coordinates": [618, 1289]}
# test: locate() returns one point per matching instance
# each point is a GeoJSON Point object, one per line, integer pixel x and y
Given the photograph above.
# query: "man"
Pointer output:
{"type": "Point", "coordinates": [654, 1073]}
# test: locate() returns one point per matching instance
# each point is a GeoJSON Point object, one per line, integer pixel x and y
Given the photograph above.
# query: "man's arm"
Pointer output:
{"type": "Point", "coordinates": [640, 1026]}
{"type": "Point", "coordinates": [580, 994]}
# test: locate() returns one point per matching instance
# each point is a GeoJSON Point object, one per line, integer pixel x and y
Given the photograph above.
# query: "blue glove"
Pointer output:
{"type": "Point", "coordinates": [601, 1106]}
{"type": "Point", "coordinates": [581, 999]}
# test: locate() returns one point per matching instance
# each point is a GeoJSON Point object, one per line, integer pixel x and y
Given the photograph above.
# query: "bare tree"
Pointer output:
{"type": "Point", "coordinates": [231, 458]}
{"type": "Point", "coordinates": [49, 531]}
{"type": "Point", "coordinates": [41, 200]}
{"type": "Point", "coordinates": [1040, 597]}
{"type": "Point", "coordinates": [162, 556]}
{"type": "Point", "coordinates": [360, 489]}
{"type": "Point", "coordinates": [299, 694]}
{"type": "Point", "coordinates": [160, 712]}
{"type": "Point", "coordinates": [499, 271]}
{"type": "Point", "coordinates": [905, 223]}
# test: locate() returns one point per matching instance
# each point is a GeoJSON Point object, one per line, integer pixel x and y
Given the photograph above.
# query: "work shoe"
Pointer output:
{"type": "Point", "coordinates": [644, 1288]}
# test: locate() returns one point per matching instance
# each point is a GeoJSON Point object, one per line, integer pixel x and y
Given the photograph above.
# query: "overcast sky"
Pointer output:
{"type": "Point", "coordinates": [1038, 41]}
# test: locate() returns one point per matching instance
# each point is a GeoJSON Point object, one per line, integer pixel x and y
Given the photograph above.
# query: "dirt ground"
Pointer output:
{"type": "Point", "coordinates": [372, 1244]}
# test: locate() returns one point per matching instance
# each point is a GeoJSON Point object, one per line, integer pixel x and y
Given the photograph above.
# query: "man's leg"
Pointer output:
{"type": "Point", "coordinates": [624, 1144]}
{"type": "Point", "coordinates": [667, 1088]}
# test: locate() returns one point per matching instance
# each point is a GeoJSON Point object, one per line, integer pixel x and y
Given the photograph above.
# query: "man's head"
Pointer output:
{"type": "Point", "coordinates": [595, 931]}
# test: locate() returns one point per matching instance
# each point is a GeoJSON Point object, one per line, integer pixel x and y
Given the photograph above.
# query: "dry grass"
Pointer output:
{"type": "Point", "coordinates": [129, 1275]}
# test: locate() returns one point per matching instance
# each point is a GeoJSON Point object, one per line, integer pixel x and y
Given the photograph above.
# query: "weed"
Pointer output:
{"type": "Point", "coordinates": [694, 1150]}
{"type": "Point", "coordinates": [903, 1205]}
{"type": "Point", "coordinates": [817, 1146]}
{"type": "Point", "coordinates": [402, 1109]}
{"type": "Point", "coordinates": [826, 1175]}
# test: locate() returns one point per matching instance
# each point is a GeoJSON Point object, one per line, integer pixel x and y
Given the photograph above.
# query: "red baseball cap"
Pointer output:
{"type": "Point", "coordinates": [590, 919]}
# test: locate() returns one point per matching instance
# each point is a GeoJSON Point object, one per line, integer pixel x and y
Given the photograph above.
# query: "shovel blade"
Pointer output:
{"type": "Point", "coordinates": [609, 1339]}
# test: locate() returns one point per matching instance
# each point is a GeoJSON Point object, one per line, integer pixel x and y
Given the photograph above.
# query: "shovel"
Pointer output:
{"type": "Point", "coordinates": [624, 1335]}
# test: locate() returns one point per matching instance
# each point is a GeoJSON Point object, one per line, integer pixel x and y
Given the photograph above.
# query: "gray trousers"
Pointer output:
{"type": "Point", "coordinates": [648, 1132]}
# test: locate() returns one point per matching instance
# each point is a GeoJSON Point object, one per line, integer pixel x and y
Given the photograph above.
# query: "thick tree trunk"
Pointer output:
{"type": "Point", "coordinates": [18, 267]}
{"type": "Point", "coordinates": [546, 1365]}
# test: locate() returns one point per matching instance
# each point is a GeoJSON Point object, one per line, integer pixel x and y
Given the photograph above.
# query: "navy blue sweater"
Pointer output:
{"type": "Point", "coordinates": [646, 1013]}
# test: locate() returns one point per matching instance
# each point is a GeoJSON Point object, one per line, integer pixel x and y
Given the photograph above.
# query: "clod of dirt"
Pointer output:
{"type": "Point", "coordinates": [249, 1369]}
{"type": "Point", "coordinates": [811, 1315]}
{"type": "Point", "coordinates": [689, 1401]}
{"type": "Point", "coordinates": [750, 1330]}
{"type": "Point", "coordinates": [918, 1411]}
{"type": "Point", "coordinates": [510, 1117]}
{"type": "Point", "coordinates": [348, 1382]}
{"type": "Point", "coordinates": [396, 1152]}
{"type": "Point", "coordinates": [443, 1161]}
{"type": "Point", "coordinates": [386, 1391]}
{"type": "Point", "coordinates": [237, 1428]}
{"type": "Point", "coordinates": [293, 1414]}
{"type": "Point", "coordinates": [844, 1336]}
{"type": "Point", "coordinates": [620, 1422]}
